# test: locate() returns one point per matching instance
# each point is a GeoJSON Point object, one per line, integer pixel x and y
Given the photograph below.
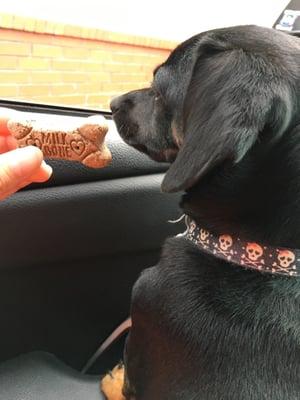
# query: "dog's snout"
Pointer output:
{"type": "Point", "coordinates": [115, 104]}
{"type": "Point", "coordinates": [123, 102]}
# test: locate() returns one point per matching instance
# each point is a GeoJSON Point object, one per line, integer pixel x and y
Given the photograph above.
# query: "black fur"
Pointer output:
{"type": "Point", "coordinates": [224, 108]}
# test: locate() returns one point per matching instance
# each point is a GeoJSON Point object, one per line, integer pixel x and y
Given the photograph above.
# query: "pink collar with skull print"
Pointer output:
{"type": "Point", "coordinates": [250, 255]}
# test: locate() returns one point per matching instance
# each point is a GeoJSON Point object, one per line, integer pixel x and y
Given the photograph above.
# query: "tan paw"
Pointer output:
{"type": "Point", "coordinates": [112, 384]}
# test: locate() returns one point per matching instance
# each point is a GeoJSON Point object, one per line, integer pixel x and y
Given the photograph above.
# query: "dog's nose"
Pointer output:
{"type": "Point", "coordinates": [115, 104]}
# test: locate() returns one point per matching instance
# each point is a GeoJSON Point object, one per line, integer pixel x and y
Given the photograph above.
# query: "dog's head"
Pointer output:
{"type": "Point", "coordinates": [211, 100]}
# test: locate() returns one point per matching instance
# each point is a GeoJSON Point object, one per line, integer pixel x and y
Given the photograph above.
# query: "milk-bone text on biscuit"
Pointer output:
{"type": "Point", "coordinates": [67, 139]}
{"type": "Point", "coordinates": [18, 167]}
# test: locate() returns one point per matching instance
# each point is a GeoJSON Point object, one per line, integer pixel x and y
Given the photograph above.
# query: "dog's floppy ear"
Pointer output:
{"type": "Point", "coordinates": [229, 101]}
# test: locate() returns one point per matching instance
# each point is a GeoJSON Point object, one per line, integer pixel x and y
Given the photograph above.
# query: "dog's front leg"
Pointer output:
{"type": "Point", "coordinates": [112, 384]}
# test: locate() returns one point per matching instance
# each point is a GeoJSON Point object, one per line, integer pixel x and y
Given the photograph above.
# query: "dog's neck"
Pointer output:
{"type": "Point", "coordinates": [258, 199]}
{"type": "Point", "coordinates": [249, 255]}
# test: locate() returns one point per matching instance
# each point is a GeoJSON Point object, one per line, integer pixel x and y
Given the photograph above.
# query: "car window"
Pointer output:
{"type": "Point", "coordinates": [84, 54]}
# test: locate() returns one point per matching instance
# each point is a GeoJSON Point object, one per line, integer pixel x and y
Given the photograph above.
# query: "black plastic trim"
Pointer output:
{"type": "Point", "coordinates": [52, 109]}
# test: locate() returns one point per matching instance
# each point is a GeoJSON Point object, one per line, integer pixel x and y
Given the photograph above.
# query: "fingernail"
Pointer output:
{"type": "Point", "coordinates": [47, 168]}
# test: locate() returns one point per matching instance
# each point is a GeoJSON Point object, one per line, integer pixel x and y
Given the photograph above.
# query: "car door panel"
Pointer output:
{"type": "Point", "coordinates": [72, 248]}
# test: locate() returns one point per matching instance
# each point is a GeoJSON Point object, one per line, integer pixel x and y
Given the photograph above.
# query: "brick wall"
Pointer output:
{"type": "Point", "coordinates": [52, 63]}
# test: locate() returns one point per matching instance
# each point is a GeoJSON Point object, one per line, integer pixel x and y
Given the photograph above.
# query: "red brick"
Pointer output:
{"type": "Point", "coordinates": [8, 62]}
{"type": "Point", "coordinates": [99, 77]}
{"type": "Point", "coordinates": [142, 59]}
{"type": "Point", "coordinates": [46, 77]}
{"type": "Point", "coordinates": [88, 88]}
{"type": "Point", "coordinates": [66, 65]}
{"type": "Point", "coordinates": [120, 88]}
{"type": "Point", "coordinates": [91, 66]}
{"type": "Point", "coordinates": [72, 99]}
{"type": "Point", "coordinates": [32, 63]}
{"type": "Point", "coordinates": [101, 55]}
{"type": "Point", "coordinates": [41, 50]}
{"type": "Point", "coordinates": [8, 90]}
{"type": "Point", "coordinates": [14, 77]}
{"type": "Point", "coordinates": [124, 78]}
{"type": "Point", "coordinates": [97, 106]}
{"type": "Point", "coordinates": [97, 98]}
{"type": "Point", "coordinates": [127, 87]}
{"type": "Point", "coordinates": [44, 99]}
{"type": "Point", "coordinates": [62, 89]}
{"type": "Point", "coordinates": [34, 90]}
{"type": "Point", "coordinates": [74, 77]}
{"type": "Point", "coordinates": [14, 48]}
{"type": "Point", "coordinates": [78, 53]}
{"type": "Point", "coordinates": [122, 68]}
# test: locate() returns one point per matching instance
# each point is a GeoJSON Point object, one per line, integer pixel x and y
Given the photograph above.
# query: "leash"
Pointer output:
{"type": "Point", "coordinates": [116, 334]}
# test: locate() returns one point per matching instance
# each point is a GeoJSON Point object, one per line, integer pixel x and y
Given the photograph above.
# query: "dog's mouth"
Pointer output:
{"type": "Point", "coordinates": [165, 155]}
{"type": "Point", "coordinates": [168, 155]}
{"type": "Point", "coordinates": [129, 135]}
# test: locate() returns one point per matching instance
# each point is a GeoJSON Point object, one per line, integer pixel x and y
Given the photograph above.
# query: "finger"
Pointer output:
{"type": "Point", "coordinates": [3, 125]}
{"type": "Point", "coordinates": [42, 174]}
{"type": "Point", "coordinates": [5, 115]}
{"type": "Point", "coordinates": [7, 143]}
{"type": "Point", "coordinates": [18, 166]}
{"type": "Point", "coordinates": [3, 144]}
{"type": "Point", "coordinates": [9, 193]}
{"type": "Point", "coordinates": [12, 143]}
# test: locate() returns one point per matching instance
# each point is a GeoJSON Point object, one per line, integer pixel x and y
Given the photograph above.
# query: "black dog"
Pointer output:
{"type": "Point", "coordinates": [225, 110]}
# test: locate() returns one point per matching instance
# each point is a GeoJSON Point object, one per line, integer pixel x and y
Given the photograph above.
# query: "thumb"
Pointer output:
{"type": "Point", "coordinates": [16, 167]}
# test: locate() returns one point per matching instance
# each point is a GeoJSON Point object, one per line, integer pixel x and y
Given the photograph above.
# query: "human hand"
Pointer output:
{"type": "Point", "coordinates": [18, 167]}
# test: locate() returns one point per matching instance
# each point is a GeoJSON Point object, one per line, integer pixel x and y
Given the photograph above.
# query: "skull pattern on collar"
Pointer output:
{"type": "Point", "coordinates": [274, 260]}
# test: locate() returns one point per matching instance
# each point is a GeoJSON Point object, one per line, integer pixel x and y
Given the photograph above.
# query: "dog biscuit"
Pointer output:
{"type": "Point", "coordinates": [83, 143]}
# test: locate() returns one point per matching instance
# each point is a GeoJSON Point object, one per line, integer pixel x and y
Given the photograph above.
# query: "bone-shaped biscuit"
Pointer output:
{"type": "Point", "coordinates": [83, 143]}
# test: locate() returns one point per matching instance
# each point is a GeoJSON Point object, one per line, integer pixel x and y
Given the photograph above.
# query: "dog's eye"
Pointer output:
{"type": "Point", "coordinates": [157, 97]}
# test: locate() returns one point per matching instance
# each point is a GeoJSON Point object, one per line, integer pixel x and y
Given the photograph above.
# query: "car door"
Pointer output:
{"type": "Point", "coordinates": [72, 248]}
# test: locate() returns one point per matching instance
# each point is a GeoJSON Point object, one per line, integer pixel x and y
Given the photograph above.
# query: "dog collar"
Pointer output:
{"type": "Point", "coordinates": [250, 255]}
